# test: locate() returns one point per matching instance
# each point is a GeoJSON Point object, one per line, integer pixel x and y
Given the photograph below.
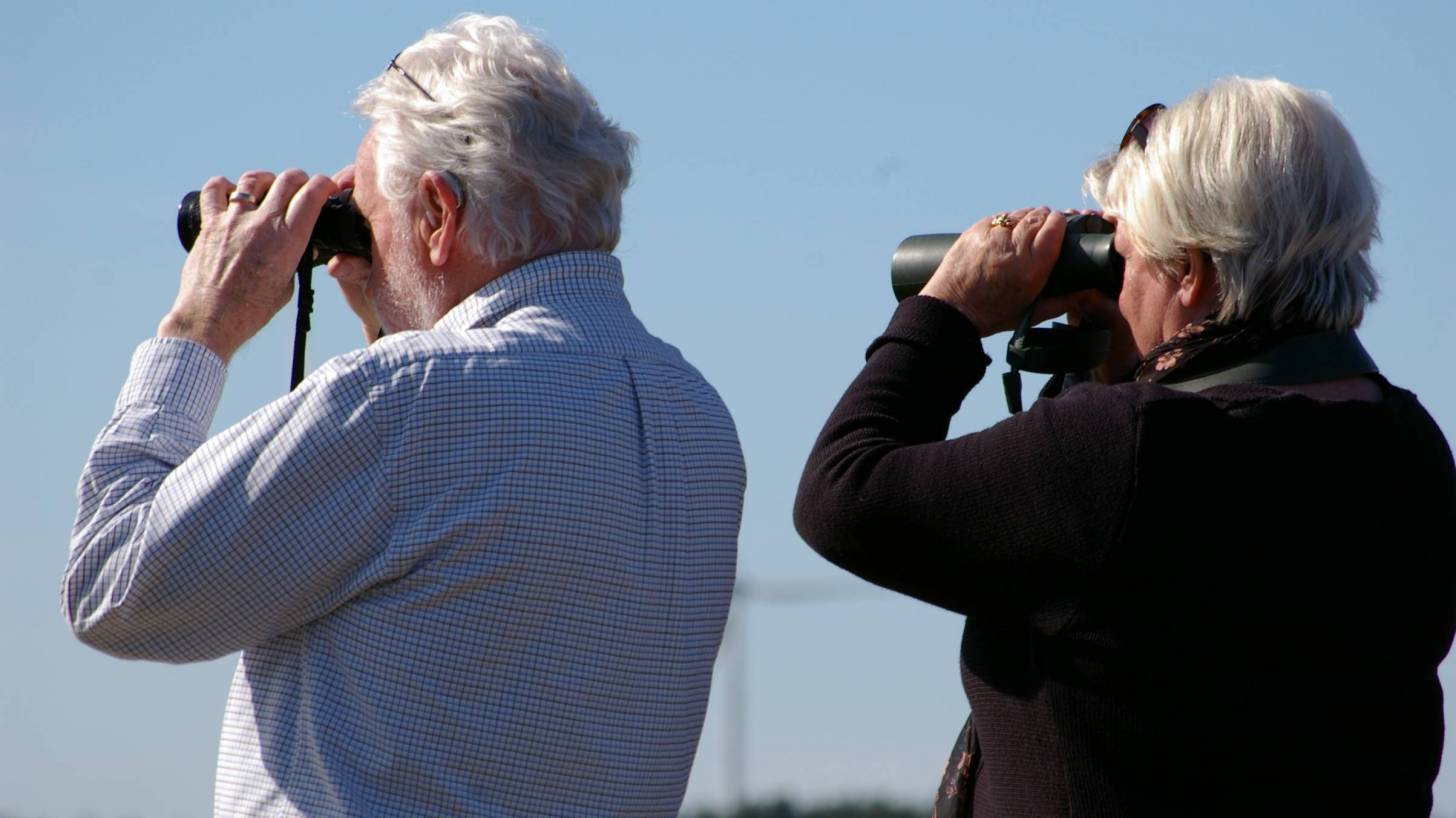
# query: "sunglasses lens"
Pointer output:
{"type": "Point", "coordinates": [1138, 130]}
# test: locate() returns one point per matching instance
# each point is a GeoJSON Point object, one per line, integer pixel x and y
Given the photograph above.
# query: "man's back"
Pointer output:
{"type": "Point", "coordinates": [511, 601]}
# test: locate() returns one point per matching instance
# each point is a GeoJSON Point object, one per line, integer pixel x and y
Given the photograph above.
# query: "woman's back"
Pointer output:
{"type": "Point", "coordinates": [1263, 631]}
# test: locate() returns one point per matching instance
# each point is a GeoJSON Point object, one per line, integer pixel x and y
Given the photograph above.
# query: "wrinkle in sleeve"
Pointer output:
{"type": "Point", "coordinates": [1011, 522]}
{"type": "Point", "coordinates": [185, 550]}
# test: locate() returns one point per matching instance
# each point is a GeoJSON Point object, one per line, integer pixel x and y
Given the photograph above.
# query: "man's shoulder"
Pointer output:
{"type": "Point", "coordinates": [402, 358]}
{"type": "Point", "coordinates": [412, 346]}
{"type": "Point", "coordinates": [463, 379]}
{"type": "Point", "coordinates": [534, 350]}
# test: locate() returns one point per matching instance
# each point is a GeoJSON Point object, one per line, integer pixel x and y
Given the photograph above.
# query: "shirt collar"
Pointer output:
{"type": "Point", "coordinates": [575, 273]}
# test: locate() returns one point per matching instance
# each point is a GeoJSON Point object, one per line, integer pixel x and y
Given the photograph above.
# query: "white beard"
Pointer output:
{"type": "Point", "coordinates": [407, 296]}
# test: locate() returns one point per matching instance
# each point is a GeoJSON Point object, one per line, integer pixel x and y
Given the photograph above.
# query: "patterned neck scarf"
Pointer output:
{"type": "Point", "coordinates": [1206, 346]}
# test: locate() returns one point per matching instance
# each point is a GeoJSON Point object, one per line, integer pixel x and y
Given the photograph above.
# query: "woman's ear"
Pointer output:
{"type": "Point", "coordinates": [1199, 284]}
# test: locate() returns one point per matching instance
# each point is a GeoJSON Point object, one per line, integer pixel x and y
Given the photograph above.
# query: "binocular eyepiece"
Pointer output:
{"type": "Point", "coordinates": [1087, 260]}
{"type": "Point", "coordinates": [340, 228]}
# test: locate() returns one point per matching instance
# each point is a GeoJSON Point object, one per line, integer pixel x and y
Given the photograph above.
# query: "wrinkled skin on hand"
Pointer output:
{"type": "Point", "coordinates": [993, 273]}
{"type": "Point", "coordinates": [239, 273]}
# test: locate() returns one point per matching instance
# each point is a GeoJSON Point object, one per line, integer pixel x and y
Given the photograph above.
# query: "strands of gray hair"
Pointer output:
{"type": "Point", "coordinates": [1264, 177]}
{"type": "Point", "coordinates": [543, 169]}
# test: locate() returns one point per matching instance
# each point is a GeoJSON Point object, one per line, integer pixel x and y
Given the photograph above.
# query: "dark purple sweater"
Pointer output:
{"type": "Point", "coordinates": [1224, 603]}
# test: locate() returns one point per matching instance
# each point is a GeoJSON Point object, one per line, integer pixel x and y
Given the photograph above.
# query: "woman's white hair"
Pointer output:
{"type": "Point", "coordinates": [1262, 176]}
{"type": "Point", "coordinates": [543, 169]}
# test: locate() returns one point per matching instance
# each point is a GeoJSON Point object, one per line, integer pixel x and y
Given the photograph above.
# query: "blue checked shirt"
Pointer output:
{"type": "Point", "coordinates": [479, 570]}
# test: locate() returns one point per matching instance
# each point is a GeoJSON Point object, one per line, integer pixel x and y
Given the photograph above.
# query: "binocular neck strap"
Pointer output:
{"type": "Point", "coordinates": [1303, 359]}
{"type": "Point", "coordinates": [301, 323]}
{"type": "Point", "coordinates": [1011, 381]}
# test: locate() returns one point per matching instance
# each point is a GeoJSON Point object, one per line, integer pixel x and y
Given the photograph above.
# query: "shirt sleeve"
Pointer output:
{"type": "Point", "coordinates": [185, 550]}
{"type": "Point", "coordinates": [1011, 522]}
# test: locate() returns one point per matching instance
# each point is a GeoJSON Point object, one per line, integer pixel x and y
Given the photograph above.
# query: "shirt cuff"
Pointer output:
{"type": "Point", "coordinates": [183, 376]}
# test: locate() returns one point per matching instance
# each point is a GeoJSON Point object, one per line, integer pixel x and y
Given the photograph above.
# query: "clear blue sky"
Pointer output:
{"type": "Point", "coordinates": [786, 148]}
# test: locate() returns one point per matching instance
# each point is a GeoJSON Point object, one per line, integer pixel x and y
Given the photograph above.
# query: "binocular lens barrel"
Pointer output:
{"type": "Point", "coordinates": [1087, 260]}
{"type": "Point", "coordinates": [340, 228]}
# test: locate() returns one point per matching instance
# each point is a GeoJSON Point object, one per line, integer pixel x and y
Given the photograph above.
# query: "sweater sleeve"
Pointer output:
{"type": "Point", "coordinates": [1010, 523]}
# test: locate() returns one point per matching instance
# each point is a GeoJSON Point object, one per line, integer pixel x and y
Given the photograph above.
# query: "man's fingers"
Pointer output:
{"type": "Point", "coordinates": [213, 198]}
{"type": "Point", "coordinates": [345, 177]}
{"type": "Point", "coordinates": [255, 183]}
{"type": "Point", "coordinates": [303, 211]}
{"type": "Point", "coordinates": [352, 273]}
{"type": "Point", "coordinates": [349, 269]}
{"type": "Point", "coordinates": [284, 188]}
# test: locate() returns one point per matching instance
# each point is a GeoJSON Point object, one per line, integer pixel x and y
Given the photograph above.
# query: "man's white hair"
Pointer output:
{"type": "Point", "coordinates": [543, 169]}
{"type": "Point", "coordinates": [1264, 177]}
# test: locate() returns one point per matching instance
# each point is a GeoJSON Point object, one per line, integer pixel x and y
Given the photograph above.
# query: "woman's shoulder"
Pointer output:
{"type": "Point", "coordinates": [1377, 414]}
{"type": "Point", "coordinates": [1372, 392]}
{"type": "Point", "coordinates": [1357, 407]}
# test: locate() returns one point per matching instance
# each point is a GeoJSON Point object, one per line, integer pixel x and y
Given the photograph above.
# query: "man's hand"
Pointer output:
{"type": "Point", "coordinates": [240, 272]}
{"type": "Point", "coordinates": [353, 273]}
{"type": "Point", "coordinates": [993, 273]}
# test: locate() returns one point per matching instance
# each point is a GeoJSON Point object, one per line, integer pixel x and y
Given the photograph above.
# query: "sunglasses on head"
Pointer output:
{"type": "Point", "coordinates": [1138, 130]}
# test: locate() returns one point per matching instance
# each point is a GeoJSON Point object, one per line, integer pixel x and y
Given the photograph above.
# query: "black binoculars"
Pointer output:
{"type": "Point", "coordinates": [340, 228]}
{"type": "Point", "coordinates": [1087, 260]}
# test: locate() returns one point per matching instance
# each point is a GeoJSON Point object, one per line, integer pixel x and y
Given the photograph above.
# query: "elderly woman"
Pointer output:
{"type": "Point", "coordinates": [1189, 588]}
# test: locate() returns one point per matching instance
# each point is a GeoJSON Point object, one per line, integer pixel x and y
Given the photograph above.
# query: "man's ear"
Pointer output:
{"type": "Point", "coordinates": [440, 220]}
{"type": "Point", "coordinates": [1199, 285]}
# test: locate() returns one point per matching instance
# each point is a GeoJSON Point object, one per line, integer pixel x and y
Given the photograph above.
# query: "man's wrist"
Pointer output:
{"type": "Point", "coordinates": [184, 327]}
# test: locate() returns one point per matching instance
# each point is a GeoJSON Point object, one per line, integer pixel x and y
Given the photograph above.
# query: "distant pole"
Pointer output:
{"type": "Point", "coordinates": [737, 733]}
{"type": "Point", "coordinates": [735, 653]}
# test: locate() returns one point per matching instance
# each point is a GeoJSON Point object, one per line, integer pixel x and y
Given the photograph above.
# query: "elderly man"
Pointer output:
{"type": "Point", "coordinates": [481, 566]}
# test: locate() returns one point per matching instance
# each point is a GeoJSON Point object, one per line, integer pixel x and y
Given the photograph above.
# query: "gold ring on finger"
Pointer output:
{"type": "Point", "coordinates": [243, 197]}
{"type": "Point", "coordinates": [1003, 220]}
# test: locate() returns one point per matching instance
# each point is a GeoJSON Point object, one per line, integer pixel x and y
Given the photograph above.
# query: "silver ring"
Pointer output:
{"type": "Point", "coordinates": [243, 197]}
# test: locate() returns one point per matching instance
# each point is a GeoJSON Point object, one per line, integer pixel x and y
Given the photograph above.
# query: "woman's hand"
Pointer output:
{"type": "Point", "coordinates": [996, 269]}
{"type": "Point", "coordinates": [1096, 310]}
